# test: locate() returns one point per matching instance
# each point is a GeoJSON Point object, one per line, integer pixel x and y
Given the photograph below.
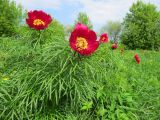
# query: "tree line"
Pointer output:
{"type": "Point", "coordinates": [140, 29]}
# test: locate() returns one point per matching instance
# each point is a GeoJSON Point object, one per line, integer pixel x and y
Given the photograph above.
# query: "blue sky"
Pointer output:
{"type": "Point", "coordinates": [99, 11]}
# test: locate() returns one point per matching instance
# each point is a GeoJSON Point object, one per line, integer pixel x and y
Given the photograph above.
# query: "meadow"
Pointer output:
{"type": "Point", "coordinates": [46, 80]}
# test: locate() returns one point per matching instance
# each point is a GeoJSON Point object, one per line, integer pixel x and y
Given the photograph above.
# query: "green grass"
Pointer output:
{"type": "Point", "coordinates": [48, 82]}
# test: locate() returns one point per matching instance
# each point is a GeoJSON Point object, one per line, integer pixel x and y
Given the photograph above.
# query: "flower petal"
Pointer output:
{"type": "Point", "coordinates": [103, 38]}
{"type": "Point", "coordinates": [89, 35]}
{"type": "Point", "coordinates": [33, 15]}
{"type": "Point", "coordinates": [92, 36]}
{"type": "Point", "coordinates": [82, 30]}
{"type": "Point", "coordinates": [72, 40]}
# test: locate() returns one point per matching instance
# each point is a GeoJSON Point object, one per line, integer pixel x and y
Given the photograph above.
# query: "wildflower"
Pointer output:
{"type": "Point", "coordinates": [38, 20]}
{"type": "Point", "coordinates": [137, 58]}
{"type": "Point", "coordinates": [83, 40]}
{"type": "Point", "coordinates": [114, 46]}
{"type": "Point", "coordinates": [103, 38]}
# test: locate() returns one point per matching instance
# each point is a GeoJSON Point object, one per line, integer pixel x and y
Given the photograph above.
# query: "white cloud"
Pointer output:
{"type": "Point", "coordinates": [40, 4]}
{"type": "Point", "coordinates": [104, 10]}
{"type": "Point", "coordinates": [99, 11]}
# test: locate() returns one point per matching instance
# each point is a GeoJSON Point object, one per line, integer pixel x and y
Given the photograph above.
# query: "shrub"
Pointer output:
{"type": "Point", "coordinates": [84, 19]}
{"type": "Point", "coordinates": [140, 27]}
{"type": "Point", "coordinates": [10, 17]}
{"type": "Point", "coordinates": [113, 28]}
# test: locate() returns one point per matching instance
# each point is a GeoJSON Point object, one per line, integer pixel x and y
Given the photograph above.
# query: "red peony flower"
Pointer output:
{"type": "Point", "coordinates": [137, 58]}
{"type": "Point", "coordinates": [103, 38]}
{"type": "Point", "coordinates": [114, 46]}
{"type": "Point", "coordinates": [38, 20]}
{"type": "Point", "coordinates": [83, 40]}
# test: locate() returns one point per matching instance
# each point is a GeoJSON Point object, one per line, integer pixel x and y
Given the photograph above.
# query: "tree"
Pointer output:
{"type": "Point", "coordinates": [68, 29]}
{"type": "Point", "coordinates": [157, 42]}
{"type": "Point", "coordinates": [141, 27]}
{"type": "Point", "coordinates": [84, 19]}
{"type": "Point", "coordinates": [113, 29]}
{"type": "Point", "coordinates": [10, 17]}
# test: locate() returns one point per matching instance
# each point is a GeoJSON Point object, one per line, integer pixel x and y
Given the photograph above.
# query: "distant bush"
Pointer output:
{"type": "Point", "coordinates": [113, 29]}
{"type": "Point", "coordinates": [10, 17]}
{"type": "Point", "coordinates": [84, 19]}
{"type": "Point", "coordinates": [140, 27]}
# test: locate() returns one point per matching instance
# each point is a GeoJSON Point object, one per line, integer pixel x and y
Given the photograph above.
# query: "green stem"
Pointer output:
{"type": "Point", "coordinates": [74, 54]}
{"type": "Point", "coordinates": [79, 56]}
{"type": "Point", "coordinates": [38, 40]}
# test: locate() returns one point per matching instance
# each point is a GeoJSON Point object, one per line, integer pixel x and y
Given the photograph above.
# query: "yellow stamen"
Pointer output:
{"type": "Point", "coordinates": [103, 38]}
{"type": "Point", "coordinates": [81, 43]}
{"type": "Point", "coordinates": [38, 22]}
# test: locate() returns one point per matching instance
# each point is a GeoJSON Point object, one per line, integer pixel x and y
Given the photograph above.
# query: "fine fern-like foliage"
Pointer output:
{"type": "Point", "coordinates": [49, 81]}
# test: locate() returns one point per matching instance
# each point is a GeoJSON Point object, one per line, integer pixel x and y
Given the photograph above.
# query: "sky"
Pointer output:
{"type": "Point", "coordinates": [99, 11]}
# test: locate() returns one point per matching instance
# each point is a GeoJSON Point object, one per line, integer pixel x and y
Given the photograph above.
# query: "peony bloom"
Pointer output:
{"type": "Point", "coordinates": [137, 58]}
{"type": "Point", "coordinates": [114, 46]}
{"type": "Point", "coordinates": [38, 20]}
{"type": "Point", "coordinates": [83, 40]}
{"type": "Point", "coordinates": [103, 38]}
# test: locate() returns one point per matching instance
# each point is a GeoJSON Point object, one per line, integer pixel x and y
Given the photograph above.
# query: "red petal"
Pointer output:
{"type": "Point", "coordinates": [92, 48]}
{"type": "Point", "coordinates": [80, 25]}
{"type": "Point", "coordinates": [103, 35]}
{"type": "Point", "coordinates": [92, 44]}
{"type": "Point", "coordinates": [30, 23]}
{"type": "Point", "coordinates": [32, 15]}
{"type": "Point", "coordinates": [73, 39]}
{"type": "Point", "coordinates": [82, 30]}
{"type": "Point", "coordinates": [92, 36]}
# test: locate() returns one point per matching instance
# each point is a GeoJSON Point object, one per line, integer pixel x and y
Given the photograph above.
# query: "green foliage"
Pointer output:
{"type": "Point", "coordinates": [10, 17]}
{"type": "Point", "coordinates": [140, 27]}
{"type": "Point", "coordinates": [48, 81]}
{"type": "Point", "coordinates": [84, 19]}
{"type": "Point", "coordinates": [55, 32]}
{"type": "Point", "coordinates": [51, 83]}
{"type": "Point", "coordinates": [113, 29]}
